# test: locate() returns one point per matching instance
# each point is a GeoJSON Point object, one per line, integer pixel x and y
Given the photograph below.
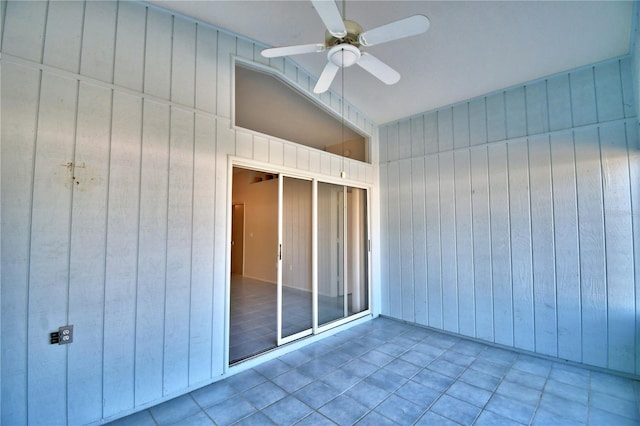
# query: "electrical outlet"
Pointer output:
{"type": "Point", "coordinates": [63, 336]}
{"type": "Point", "coordinates": [66, 334]}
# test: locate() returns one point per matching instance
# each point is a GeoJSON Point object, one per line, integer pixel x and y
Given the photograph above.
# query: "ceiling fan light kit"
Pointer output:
{"type": "Point", "coordinates": [344, 55]}
{"type": "Point", "coordinates": [343, 40]}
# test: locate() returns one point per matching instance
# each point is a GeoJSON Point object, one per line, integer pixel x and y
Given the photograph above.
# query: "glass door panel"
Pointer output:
{"type": "Point", "coordinates": [343, 285]}
{"type": "Point", "coordinates": [357, 257]}
{"type": "Point", "coordinates": [295, 287]}
{"type": "Point", "coordinates": [331, 285]}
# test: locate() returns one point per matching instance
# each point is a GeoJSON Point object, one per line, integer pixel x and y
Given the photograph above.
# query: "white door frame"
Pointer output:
{"type": "Point", "coordinates": [232, 162]}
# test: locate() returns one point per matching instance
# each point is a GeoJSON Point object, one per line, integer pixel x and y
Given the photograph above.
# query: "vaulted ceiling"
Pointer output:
{"type": "Point", "coordinates": [472, 47]}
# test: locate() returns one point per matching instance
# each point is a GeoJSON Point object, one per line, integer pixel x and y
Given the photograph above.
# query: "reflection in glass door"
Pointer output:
{"type": "Point", "coordinates": [295, 265]}
{"type": "Point", "coordinates": [342, 252]}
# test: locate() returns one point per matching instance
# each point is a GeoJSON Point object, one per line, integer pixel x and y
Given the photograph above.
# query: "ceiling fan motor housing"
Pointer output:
{"type": "Point", "coordinates": [353, 31]}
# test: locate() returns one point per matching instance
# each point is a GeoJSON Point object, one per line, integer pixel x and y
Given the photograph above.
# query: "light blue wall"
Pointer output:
{"type": "Point", "coordinates": [634, 49]}
{"type": "Point", "coordinates": [116, 132]}
{"type": "Point", "coordinates": [515, 217]}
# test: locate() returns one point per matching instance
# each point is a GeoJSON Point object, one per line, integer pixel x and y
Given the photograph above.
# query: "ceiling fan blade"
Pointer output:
{"type": "Point", "coordinates": [326, 78]}
{"type": "Point", "coordinates": [378, 69]}
{"type": "Point", "coordinates": [413, 25]}
{"type": "Point", "coordinates": [330, 15]}
{"type": "Point", "coordinates": [276, 52]}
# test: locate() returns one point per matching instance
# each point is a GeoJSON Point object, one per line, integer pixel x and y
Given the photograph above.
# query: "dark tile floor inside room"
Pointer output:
{"type": "Point", "coordinates": [385, 372]}
{"type": "Point", "coordinates": [252, 327]}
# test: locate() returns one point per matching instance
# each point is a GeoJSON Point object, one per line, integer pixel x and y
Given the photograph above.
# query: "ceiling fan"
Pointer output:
{"type": "Point", "coordinates": [344, 38]}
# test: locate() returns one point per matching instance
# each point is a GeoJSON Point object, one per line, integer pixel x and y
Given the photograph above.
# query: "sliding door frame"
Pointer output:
{"type": "Point", "coordinates": [315, 178]}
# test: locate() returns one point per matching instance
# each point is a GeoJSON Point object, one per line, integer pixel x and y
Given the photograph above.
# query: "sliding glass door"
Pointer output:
{"type": "Point", "coordinates": [342, 250]}
{"type": "Point", "coordinates": [295, 286]}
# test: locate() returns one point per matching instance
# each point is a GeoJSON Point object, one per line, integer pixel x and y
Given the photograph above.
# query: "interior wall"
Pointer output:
{"type": "Point", "coordinates": [260, 201]}
{"type": "Point", "coordinates": [515, 218]}
{"type": "Point", "coordinates": [116, 133]}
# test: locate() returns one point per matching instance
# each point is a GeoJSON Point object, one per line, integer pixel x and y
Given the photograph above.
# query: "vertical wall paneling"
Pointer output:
{"type": "Point", "coordinates": [516, 112]}
{"type": "Point", "coordinates": [417, 136]}
{"type": "Point", "coordinates": [567, 256]}
{"type": "Point", "coordinates": [49, 257]}
{"type": "Point", "coordinates": [434, 253]}
{"type": "Point", "coordinates": [225, 49]}
{"type": "Point", "coordinates": [543, 246]}
{"type": "Point", "coordinates": [406, 245]}
{"type": "Point", "coordinates": [431, 133]}
{"type": "Point", "coordinates": [276, 153]}
{"type": "Point", "coordinates": [477, 121]}
{"type": "Point", "coordinates": [152, 252]}
{"type": "Point", "coordinates": [448, 241]}
{"type": "Point", "coordinates": [445, 129]}
{"type": "Point", "coordinates": [496, 120]}
{"type": "Point", "coordinates": [183, 62]}
{"type": "Point", "coordinates": [502, 277]}
{"type": "Point", "coordinates": [384, 238]}
{"type": "Point", "coordinates": [583, 97]}
{"type": "Point", "coordinates": [608, 91]}
{"type": "Point", "coordinates": [394, 227]}
{"type": "Point", "coordinates": [432, 229]}
{"type": "Point", "coordinates": [481, 226]}
{"type": "Point", "coordinates": [20, 98]}
{"type": "Point", "coordinates": [260, 149]}
{"type": "Point", "coordinates": [314, 161]}
{"type": "Point", "coordinates": [559, 101]}
{"type": "Point", "coordinates": [461, 125]}
{"type": "Point", "coordinates": [531, 239]}
{"type": "Point", "coordinates": [96, 59]}
{"type": "Point", "coordinates": [464, 243]}
{"type": "Point", "coordinates": [3, 10]}
{"type": "Point", "coordinates": [626, 79]}
{"type": "Point", "coordinates": [519, 207]}
{"type": "Point", "coordinates": [179, 247]}
{"type": "Point", "coordinates": [404, 139]}
{"type": "Point", "coordinates": [245, 49]}
{"type": "Point", "coordinates": [129, 55]}
{"type": "Point", "coordinates": [23, 34]}
{"type": "Point", "coordinates": [619, 247]}
{"type": "Point", "coordinates": [114, 203]}
{"type": "Point", "coordinates": [392, 142]}
{"type": "Point", "coordinates": [419, 240]}
{"type": "Point", "coordinates": [383, 144]}
{"type": "Point", "coordinates": [64, 34]}
{"type": "Point", "coordinates": [536, 107]}
{"type": "Point", "coordinates": [592, 247]}
{"type": "Point", "coordinates": [157, 60]}
{"type": "Point", "coordinates": [87, 245]}
{"type": "Point", "coordinates": [218, 344]}
{"type": "Point", "coordinates": [302, 158]}
{"type": "Point", "coordinates": [202, 248]}
{"type": "Point", "coordinates": [290, 154]}
{"type": "Point", "coordinates": [121, 258]}
{"type": "Point", "coordinates": [244, 144]}
{"type": "Point", "coordinates": [633, 144]}
{"type": "Point", "coordinates": [206, 68]}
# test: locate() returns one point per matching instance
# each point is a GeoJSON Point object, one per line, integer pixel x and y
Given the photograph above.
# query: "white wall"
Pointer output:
{"type": "Point", "coordinates": [116, 128]}
{"type": "Point", "coordinates": [515, 218]}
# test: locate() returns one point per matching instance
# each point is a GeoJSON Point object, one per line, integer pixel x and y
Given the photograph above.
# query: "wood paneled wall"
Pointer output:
{"type": "Point", "coordinates": [116, 128]}
{"type": "Point", "coordinates": [515, 218]}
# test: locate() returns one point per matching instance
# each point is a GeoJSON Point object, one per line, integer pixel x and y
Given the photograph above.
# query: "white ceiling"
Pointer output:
{"type": "Point", "coordinates": [472, 47]}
